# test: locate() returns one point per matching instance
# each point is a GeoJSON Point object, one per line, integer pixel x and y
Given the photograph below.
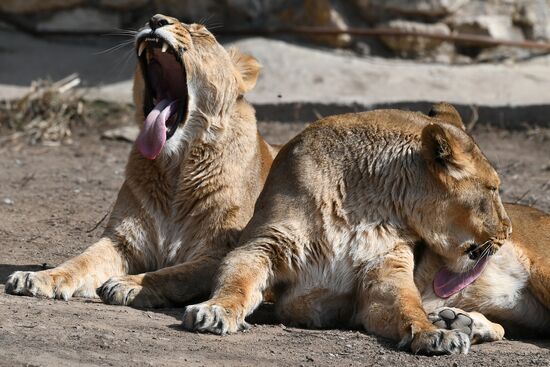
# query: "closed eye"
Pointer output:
{"type": "Point", "coordinates": [493, 189]}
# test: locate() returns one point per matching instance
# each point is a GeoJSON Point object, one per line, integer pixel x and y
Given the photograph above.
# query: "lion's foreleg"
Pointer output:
{"type": "Point", "coordinates": [79, 276]}
{"type": "Point", "coordinates": [244, 275]}
{"type": "Point", "coordinates": [390, 305]}
{"type": "Point", "coordinates": [168, 286]}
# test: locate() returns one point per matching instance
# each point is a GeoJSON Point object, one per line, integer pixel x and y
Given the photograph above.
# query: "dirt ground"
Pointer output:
{"type": "Point", "coordinates": [51, 198]}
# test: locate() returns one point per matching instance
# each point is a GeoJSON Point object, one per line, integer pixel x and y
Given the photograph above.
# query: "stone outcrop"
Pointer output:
{"type": "Point", "coordinates": [498, 19]}
{"type": "Point", "coordinates": [411, 45]}
{"type": "Point", "coordinates": [376, 10]}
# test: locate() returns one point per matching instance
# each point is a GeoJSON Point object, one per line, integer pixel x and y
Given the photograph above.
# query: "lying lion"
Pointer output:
{"type": "Point", "coordinates": [334, 229]}
{"type": "Point", "coordinates": [511, 286]}
{"type": "Point", "coordinates": [192, 177]}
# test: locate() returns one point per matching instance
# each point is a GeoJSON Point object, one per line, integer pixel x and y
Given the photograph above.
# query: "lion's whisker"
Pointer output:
{"type": "Point", "coordinates": [122, 62]}
{"type": "Point", "coordinates": [484, 253]}
{"type": "Point", "coordinates": [115, 47]}
{"type": "Point", "coordinates": [120, 31]}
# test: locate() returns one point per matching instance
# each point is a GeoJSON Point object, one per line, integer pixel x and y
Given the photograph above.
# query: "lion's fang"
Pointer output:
{"type": "Point", "coordinates": [141, 48]}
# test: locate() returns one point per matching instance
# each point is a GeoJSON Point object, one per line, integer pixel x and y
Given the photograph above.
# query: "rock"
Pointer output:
{"type": "Point", "coordinates": [80, 19]}
{"type": "Point", "coordinates": [502, 54]}
{"type": "Point", "coordinates": [253, 11]}
{"type": "Point", "coordinates": [377, 10]}
{"type": "Point", "coordinates": [321, 13]}
{"type": "Point", "coordinates": [125, 133]}
{"type": "Point", "coordinates": [533, 18]}
{"type": "Point", "coordinates": [261, 14]}
{"type": "Point", "coordinates": [35, 6]}
{"type": "Point", "coordinates": [412, 44]}
{"type": "Point", "coordinates": [191, 10]}
{"type": "Point", "coordinates": [506, 19]}
{"type": "Point", "coordinates": [8, 201]}
{"type": "Point", "coordinates": [516, 19]}
{"type": "Point", "coordinates": [494, 26]}
{"type": "Point", "coordinates": [123, 4]}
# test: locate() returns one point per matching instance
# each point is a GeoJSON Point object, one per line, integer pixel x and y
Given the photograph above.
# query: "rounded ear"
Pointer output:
{"type": "Point", "coordinates": [447, 113]}
{"type": "Point", "coordinates": [247, 67]}
{"type": "Point", "coordinates": [446, 151]}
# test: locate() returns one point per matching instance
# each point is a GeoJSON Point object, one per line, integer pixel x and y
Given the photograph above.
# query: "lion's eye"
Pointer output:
{"type": "Point", "coordinates": [492, 188]}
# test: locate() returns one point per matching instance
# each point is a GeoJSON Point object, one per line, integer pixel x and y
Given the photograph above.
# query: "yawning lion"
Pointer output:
{"type": "Point", "coordinates": [191, 181]}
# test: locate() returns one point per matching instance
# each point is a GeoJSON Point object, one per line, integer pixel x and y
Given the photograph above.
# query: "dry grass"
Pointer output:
{"type": "Point", "coordinates": [45, 115]}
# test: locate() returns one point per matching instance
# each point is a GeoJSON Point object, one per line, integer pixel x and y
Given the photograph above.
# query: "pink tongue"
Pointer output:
{"type": "Point", "coordinates": [447, 283]}
{"type": "Point", "coordinates": [152, 137]}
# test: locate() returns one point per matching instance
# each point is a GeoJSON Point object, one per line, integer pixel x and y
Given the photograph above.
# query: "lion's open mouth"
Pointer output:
{"type": "Point", "coordinates": [165, 102]}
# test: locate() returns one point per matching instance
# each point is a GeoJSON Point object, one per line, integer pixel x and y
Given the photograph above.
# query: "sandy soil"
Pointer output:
{"type": "Point", "coordinates": [51, 198]}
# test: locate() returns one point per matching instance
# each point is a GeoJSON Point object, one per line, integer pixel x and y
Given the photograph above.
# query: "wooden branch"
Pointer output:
{"type": "Point", "coordinates": [471, 39]}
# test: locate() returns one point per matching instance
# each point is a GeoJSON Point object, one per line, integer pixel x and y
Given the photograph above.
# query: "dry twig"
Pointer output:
{"type": "Point", "coordinates": [473, 119]}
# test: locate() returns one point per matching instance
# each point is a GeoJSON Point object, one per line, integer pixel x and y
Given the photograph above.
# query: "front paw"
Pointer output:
{"type": "Point", "coordinates": [446, 318]}
{"type": "Point", "coordinates": [40, 284]}
{"type": "Point", "coordinates": [474, 324]}
{"type": "Point", "coordinates": [207, 317]}
{"type": "Point", "coordinates": [123, 291]}
{"type": "Point", "coordinates": [439, 342]}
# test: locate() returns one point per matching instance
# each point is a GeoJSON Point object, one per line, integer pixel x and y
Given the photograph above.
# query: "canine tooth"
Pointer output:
{"type": "Point", "coordinates": [164, 47]}
{"type": "Point", "coordinates": [141, 48]}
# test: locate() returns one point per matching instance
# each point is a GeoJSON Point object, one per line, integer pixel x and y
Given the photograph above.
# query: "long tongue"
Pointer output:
{"type": "Point", "coordinates": [447, 283]}
{"type": "Point", "coordinates": [152, 137]}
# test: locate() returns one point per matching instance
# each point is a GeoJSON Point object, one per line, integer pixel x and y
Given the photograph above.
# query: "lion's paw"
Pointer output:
{"type": "Point", "coordinates": [474, 324]}
{"type": "Point", "coordinates": [125, 291]}
{"type": "Point", "coordinates": [449, 319]}
{"type": "Point", "coordinates": [439, 342]}
{"type": "Point", "coordinates": [40, 284]}
{"type": "Point", "coordinates": [207, 317]}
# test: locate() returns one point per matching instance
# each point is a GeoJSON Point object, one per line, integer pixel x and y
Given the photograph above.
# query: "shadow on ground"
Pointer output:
{"type": "Point", "coordinates": [7, 269]}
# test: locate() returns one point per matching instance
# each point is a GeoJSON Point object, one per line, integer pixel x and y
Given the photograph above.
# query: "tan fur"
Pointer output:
{"type": "Point", "coordinates": [447, 113]}
{"type": "Point", "coordinates": [514, 289]}
{"type": "Point", "coordinates": [176, 216]}
{"type": "Point", "coordinates": [344, 205]}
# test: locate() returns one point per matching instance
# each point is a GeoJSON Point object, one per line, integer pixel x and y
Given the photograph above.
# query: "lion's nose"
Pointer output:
{"type": "Point", "coordinates": [158, 21]}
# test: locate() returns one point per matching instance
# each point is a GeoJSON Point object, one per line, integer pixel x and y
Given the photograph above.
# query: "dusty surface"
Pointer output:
{"type": "Point", "coordinates": [51, 197]}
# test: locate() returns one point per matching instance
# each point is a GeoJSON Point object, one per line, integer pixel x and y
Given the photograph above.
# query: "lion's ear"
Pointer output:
{"type": "Point", "coordinates": [248, 68]}
{"type": "Point", "coordinates": [447, 113]}
{"type": "Point", "coordinates": [447, 150]}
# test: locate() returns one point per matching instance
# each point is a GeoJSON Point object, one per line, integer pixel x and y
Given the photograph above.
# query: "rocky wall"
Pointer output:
{"type": "Point", "coordinates": [499, 19]}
